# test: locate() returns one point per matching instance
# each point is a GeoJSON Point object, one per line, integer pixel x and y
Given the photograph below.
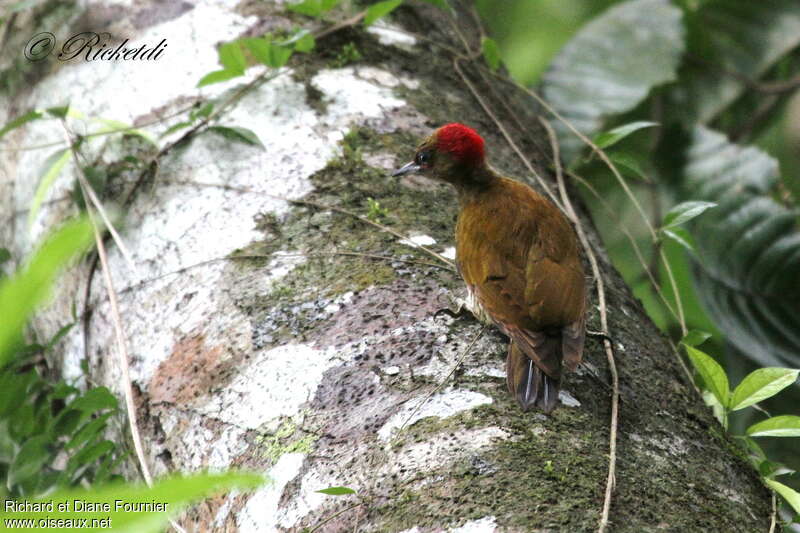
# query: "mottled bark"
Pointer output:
{"type": "Point", "coordinates": [304, 364]}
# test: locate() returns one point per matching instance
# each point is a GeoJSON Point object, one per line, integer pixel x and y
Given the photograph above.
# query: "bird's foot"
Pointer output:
{"type": "Point", "coordinates": [460, 311]}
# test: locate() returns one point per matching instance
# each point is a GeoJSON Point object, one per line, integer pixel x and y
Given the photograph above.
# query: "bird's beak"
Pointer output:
{"type": "Point", "coordinates": [406, 169]}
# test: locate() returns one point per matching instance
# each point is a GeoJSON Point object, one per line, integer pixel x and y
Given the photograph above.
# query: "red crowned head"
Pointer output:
{"type": "Point", "coordinates": [454, 153]}
{"type": "Point", "coordinates": [461, 142]}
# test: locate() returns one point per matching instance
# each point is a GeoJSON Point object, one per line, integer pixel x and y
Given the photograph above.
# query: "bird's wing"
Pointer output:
{"type": "Point", "coordinates": [531, 287]}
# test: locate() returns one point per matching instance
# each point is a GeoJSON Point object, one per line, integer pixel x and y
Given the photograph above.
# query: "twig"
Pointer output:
{"type": "Point", "coordinates": [601, 301]}
{"type": "Point", "coordinates": [636, 249]}
{"type": "Point", "coordinates": [352, 21]}
{"type": "Point", "coordinates": [119, 333]}
{"type": "Point", "coordinates": [186, 268]}
{"type": "Point", "coordinates": [645, 267]}
{"type": "Point", "coordinates": [88, 191]}
{"type": "Point", "coordinates": [774, 514]}
{"type": "Point", "coordinates": [442, 382]}
{"type": "Point", "coordinates": [767, 87]}
{"type": "Point", "coordinates": [102, 133]}
{"type": "Point", "coordinates": [322, 206]}
{"type": "Point", "coordinates": [334, 515]}
{"type": "Point", "coordinates": [357, 254]}
{"type": "Point", "coordinates": [755, 118]}
{"type": "Point", "coordinates": [368, 221]}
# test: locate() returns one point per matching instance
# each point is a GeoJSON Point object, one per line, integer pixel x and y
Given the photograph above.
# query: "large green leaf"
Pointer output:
{"type": "Point", "coordinates": [727, 38]}
{"type": "Point", "coordinates": [21, 293]}
{"type": "Point", "coordinates": [761, 384]}
{"type": "Point", "coordinates": [685, 211]}
{"type": "Point", "coordinates": [29, 460]}
{"type": "Point", "coordinates": [788, 493]}
{"type": "Point", "coordinates": [52, 168]}
{"type": "Point", "coordinates": [611, 64]}
{"type": "Point", "coordinates": [748, 248]}
{"type": "Point", "coordinates": [777, 426]}
{"type": "Point", "coordinates": [380, 10]}
{"type": "Point", "coordinates": [712, 373]}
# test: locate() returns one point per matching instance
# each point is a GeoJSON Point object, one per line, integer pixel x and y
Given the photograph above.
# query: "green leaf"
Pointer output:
{"type": "Point", "coordinates": [5, 255]}
{"type": "Point", "coordinates": [748, 248]}
{"type": "Point", "coordinates": [685, 212]}
{"type": "Point", "coordinates": [62, 390]}
{"type": "Point", "coordinates": [30, 286]}
{"type": "Point", "coordinates": [777, 426]}
{"type": "Point", "coordinates": [232, 58]}
{"type": "Point", "coordinates": [218, 76]}
{"type": "Point", "coordinates": [176, 127]}
{"type": "Point", "coordinates": [337, 491]}
{"type": "Point", "coordinates": [110, 462]}
{"type": "Point", "coordinates": [313, 8]}
{"type": "Point", "coordinates": [379, 10]}
{"type": "Point", "coordinates": [791, 496]}
{"type": "Point", "coordinates": [53, 166]}
{"type": "Point", "coordinates": [629, 162]}
{"type": "Point", "coordinates": [89, 454]}
{"type": "Point", "coordinates": [738, 36]}
{"type": "Point", "coordinates": [29, 460]}
{"type": "Point", "coordinates": [712, 373]}
{"type": "Point", "coordinates": [175, 493]}
{"type": "Point", "coordinates": [610, 138]}
{"type": "Point", "coordinates": [762, 384]}
{"type": "Point", "coordinates": [695, 337]}
{"type": "Point", "coordinates": [65, 423]}
{"type": "Point", "coordinates": [89, 430]}
{"type": "Point", "coordinates": [59, 111]}
{"type": "Point", "coordinates": [305, 43]}
{"type": "Point", "coordinates": [95, 399]}
{"type": "Point", "coordinates": [233, 133]}
{"type": "Point", "coordinates": [611, 65]}
{"type": "Point", "coordinates": [754, 448]}
{"type": "Point", "coordinates": [34, 114]}
{"type": "Point", "coordinates": [114, 126]}
{"type": "Point", "coordinates": [60, 334]}
{"type": "Point", "coordinates": [203, 112]}
{"type": "Point", "coordinates": [681, 236]}
{"type": "Point", "coordinates": [13, 390]}
{"type": "Point", "coordinates": [270, 54]}
{"type": "Point", "coordinates": [491, 52]}
{"type": "Point", "coordinates": [771, 469]}
{"type": "Point", "coordinates": [278, 56]}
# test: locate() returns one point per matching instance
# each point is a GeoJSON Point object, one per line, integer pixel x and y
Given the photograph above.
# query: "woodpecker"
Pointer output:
{"type": "Point", "coordinates": [518, 255]}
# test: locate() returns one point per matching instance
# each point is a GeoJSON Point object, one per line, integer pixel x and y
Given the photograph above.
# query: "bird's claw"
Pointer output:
{"type": "Point", "coordinates": [459, 311]}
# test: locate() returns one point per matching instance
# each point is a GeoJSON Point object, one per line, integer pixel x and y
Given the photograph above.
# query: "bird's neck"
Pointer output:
{"type": "Point", "coordinates": [479, 180]}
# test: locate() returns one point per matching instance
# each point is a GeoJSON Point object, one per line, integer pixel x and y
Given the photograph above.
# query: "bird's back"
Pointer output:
{"type": "Point", "coordinates": [519, 252]}
{"type": "Point", "coordinates": [519, 257]}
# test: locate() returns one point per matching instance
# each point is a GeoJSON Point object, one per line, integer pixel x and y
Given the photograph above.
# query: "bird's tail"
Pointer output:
{"type": "Point", "coordinates": [528, 383]}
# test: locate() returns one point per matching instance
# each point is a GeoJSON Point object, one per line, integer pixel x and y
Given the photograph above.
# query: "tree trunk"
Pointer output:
{"type": "Point", "coordinates": [316, 361]}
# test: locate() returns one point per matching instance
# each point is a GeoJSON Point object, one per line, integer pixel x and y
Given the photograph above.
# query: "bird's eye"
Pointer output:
{"type": "Point", "coordinates": [423, 159]}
